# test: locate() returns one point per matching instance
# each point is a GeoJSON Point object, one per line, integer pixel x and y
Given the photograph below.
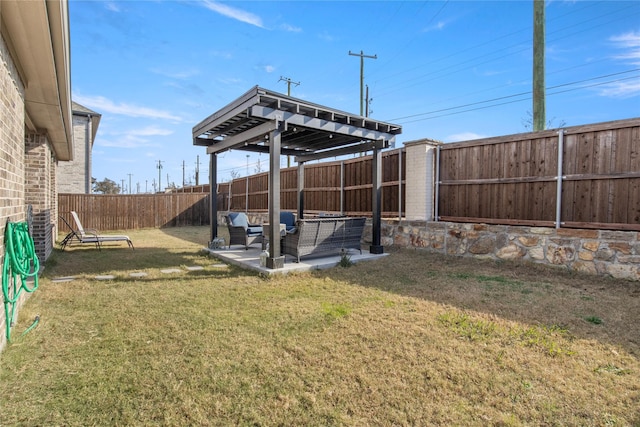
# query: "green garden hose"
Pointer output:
{"type": "Point", "coordinates": [20, 263]}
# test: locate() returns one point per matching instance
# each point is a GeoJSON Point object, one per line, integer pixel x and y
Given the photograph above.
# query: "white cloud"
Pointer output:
{"type": "Point", "coordinates": [104, 105]}
{"type": "Point", "coordinates": [463, 136]}
{"type": "Point", "coordinates": [269, 68]}
{"type": "Point", "coordinates": [438, 26]}
{"type": "Point", "coordinates": [622, 89]}
{"type": "Point", "coordinates": [112, 6]}
{"type": "Point", "coordinates": [123, 141]}
{"type": "Point", "coordinates": [630, 42]}
{"type": "Point", "coordinates": [180, 75]}
{"type": "Point", "coordinates": [327, 37]}
{"type": "Point", "coordinates": [133, 138]}
{"type": "Point", "coordinates": [230, 80]}
{"type": "Point", "coordinates": [233, 13]}
{"type": "Point", "coordinates": [221, 54]}
{"type": "Point", "coordinates": [290, 28]}
{"type": "Point", "coordinates": [151, 131]}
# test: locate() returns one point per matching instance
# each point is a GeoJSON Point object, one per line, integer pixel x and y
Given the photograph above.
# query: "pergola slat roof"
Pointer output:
{"type": "Point", "coordinates": [269, 122]}
{"type": "Point", "coordinates": [310, 131]}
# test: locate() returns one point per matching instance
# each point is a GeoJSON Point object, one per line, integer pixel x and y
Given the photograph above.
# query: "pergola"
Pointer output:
{"type": "Point", "coordinates": [268, 122]}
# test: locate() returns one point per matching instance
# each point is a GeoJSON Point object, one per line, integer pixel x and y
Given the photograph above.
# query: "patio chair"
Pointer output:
{"type": "Point", "coordinates": [289, 220]}
{"type": "Point", "coordinates": [73, 234]}
{"type": "Point", "coordinates": [90, 235]}
{"type": "Point", "coordinates": [241, 232]}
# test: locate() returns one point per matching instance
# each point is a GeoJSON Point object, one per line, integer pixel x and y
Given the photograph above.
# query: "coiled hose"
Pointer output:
{"type": "Point", "coordinates": [20, 263]}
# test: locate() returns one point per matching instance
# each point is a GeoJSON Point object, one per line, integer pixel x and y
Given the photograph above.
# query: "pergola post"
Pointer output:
{"type": "Point", "coordinates": [376, 197]}
{"type": "Point", "coordinates": [275, 260]}
{"type": "Point", "coordinates": [300, 190]}
{"type": "Point", "coordinates": [213, 196]}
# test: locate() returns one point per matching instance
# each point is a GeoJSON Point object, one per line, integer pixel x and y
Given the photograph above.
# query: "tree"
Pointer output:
{"type": "Point", "coordinates": [258, 167]}
{"type": "Point", "coordinates": [105, 187]}
{"type": "Point", "coordinates": [527, 122]}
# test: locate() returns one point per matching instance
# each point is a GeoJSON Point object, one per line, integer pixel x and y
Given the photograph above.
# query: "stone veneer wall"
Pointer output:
{"type": "Point", "coordinates": [597, 252]}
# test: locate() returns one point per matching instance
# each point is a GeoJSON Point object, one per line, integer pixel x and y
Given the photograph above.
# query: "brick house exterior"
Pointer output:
{"type": "Point", "coordinates": [74, 176]}
{"type": "Point", "coordinates": [35, 118]}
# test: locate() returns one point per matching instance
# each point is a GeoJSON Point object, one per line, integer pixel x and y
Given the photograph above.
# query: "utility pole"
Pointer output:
{"type": "Point", "coordinates": [198, 169]}
{"type": "Point", "coordinates": [183, 174]}
{"type": "Point", "coordinates": [362, 56]}
{"type": "Point", "coordinates": [130, 175]}
{"type": "Point", "coordinates": [159, 167]}
{"type": "Point", "coordinates": [289, 83]}
{"type": "Point", "coordinates": [539, 101]}
{"type": "Point", "coordinates": [122, 187]}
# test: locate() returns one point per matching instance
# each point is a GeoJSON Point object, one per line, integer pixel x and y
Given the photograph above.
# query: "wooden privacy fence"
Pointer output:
{"type": "Point", "coordinates": [126, 212]}
{"type": "Point", "coordinates": [581, 177]}
{"type": "Point", "coordinates": [340, 186]}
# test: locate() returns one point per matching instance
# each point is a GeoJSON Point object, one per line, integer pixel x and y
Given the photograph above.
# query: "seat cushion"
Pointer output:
{"type": "Point", "coordinates": [288, 219]}
{"type": "Point", "coordinates": [239, 219]}
{"type": "Point", "coordinates": [251, 231]}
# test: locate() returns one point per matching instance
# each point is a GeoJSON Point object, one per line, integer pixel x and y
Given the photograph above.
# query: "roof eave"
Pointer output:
{"type": "Point", "coordinates": [38, 32]}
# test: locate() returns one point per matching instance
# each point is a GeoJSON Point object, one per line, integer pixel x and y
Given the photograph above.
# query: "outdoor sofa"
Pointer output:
{"type": "Point", "coordinates": [323, 236]}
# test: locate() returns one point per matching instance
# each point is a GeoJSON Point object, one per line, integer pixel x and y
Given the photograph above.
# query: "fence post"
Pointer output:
{"type": "Point", "coordinates": [246, 196]}
{"type": "Point", "coordinates": [559, 178]}
{"type": "Point", "coordinates": [436, 209]}
{"type": "Point", "coordinates": [342, 187]}
{"type": "Point", "coordinates": [400, 184]}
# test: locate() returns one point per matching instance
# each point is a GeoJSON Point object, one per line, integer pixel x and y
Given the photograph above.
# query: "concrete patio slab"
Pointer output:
{"type": "Point", "coordinates": [250, 259]}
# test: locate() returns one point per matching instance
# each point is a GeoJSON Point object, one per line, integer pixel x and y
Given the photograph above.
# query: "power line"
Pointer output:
{"type": "Point", "coordinates": [485, 58]}
{"type": "Point", "coordinates": [399, 119]}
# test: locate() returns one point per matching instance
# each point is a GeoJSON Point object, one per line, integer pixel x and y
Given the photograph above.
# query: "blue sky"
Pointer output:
{"type": "Point", "coordinates": [446, 70]}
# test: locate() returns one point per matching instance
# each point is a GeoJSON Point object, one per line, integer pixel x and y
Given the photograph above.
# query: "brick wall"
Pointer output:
{"type": "Point", "coordinates": [74, 176]}
{"type": "Point", "coordinates": [40, 192]}
{"type": "Point", "coordinates": [12, 206]}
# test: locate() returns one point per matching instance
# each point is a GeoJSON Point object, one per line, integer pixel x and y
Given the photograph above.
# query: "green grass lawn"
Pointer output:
{"type": "Point", "coordinates": [411, 339]}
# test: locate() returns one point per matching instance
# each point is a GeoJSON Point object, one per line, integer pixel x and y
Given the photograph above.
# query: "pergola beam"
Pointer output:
{"type": "Point", "coordinates": [352, 149]}
{"type": "Point", "coordinates": [318, 124]}
{"type": "Point", "coordinates": [247, 100]}
{"type": "Point", "coordinates": [240, 139]}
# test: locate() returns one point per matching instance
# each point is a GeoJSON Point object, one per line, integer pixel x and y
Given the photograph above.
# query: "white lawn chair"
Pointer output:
{"type": "Point", "coordinates": [91, 235]}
